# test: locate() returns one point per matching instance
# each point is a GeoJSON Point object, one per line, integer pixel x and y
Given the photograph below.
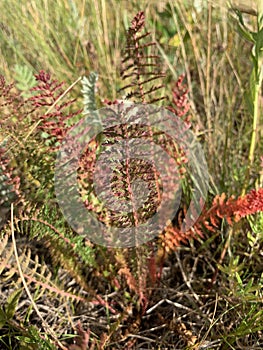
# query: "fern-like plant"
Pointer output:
{"type": "Point", "coordinates": [88, 91]}
{"type": "Point", "coordinates": [141, 68]}
{"type": "Point", "coordinates": [72, 268]}
{"type": "Point", "coordinates": [25, 80]}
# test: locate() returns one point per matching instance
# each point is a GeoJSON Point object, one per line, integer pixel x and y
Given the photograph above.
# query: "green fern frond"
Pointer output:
{"type": "Point", "coordinates": [88, 91]}
{"type": "Point", "coordinates": [24, 79]}
{"type": "Point", "coordinates": [89, 100]}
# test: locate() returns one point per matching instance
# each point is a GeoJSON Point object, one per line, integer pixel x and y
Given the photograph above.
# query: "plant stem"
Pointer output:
{"type": "Point", "coordinates": [253, 137]}
{"type": "Point", "coordinates": [208, 83]}
{"type": "Point", "coordinates": [256, 101]}
{"type": "Point", "coordinates": [255, 122]}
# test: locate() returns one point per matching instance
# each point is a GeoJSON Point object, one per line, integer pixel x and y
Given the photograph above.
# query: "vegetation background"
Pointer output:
{"type": "Point", "coordinates": [59, 290]}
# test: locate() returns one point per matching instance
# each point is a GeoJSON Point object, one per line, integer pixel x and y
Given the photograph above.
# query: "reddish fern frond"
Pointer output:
{"type": "Point", "coordinates": [5, 92]}
{"type": "Point", "coordinates": [48, 93]}
{"type": "Point", "coordinates": [48, 90]}
{"type": "Point", "coordinates": [125, 271]}
{"type": "Point", "coordinates": [130, 279]}
{"type": "Point", "coordinates": [251, 204]}
{"type": "Point", "coordinates": [180, 103]}
{"type": "Point", "coordinates": [140, 67]}
{"type": "Point", "coordinates": [11, 105]}
{"type": "Point", "coordinates": [152, 268]}
{"type": "Point", "coordinates": [138, 22]}
{"type": "Point", "coordinates": [231, 209]}
{"type": "Point", "coordinates": [235, 209]}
